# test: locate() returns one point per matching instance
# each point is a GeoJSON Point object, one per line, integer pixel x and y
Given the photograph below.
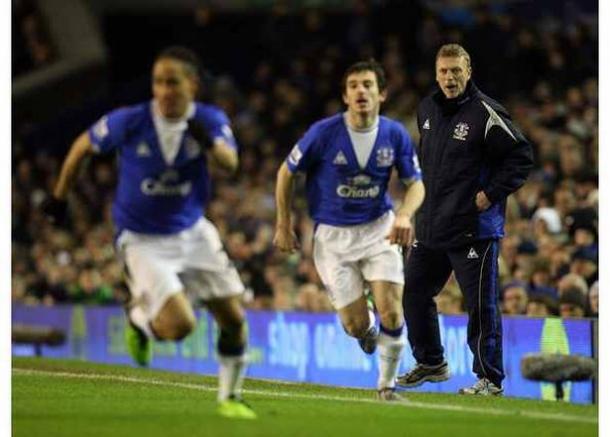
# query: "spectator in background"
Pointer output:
{"type": "Point", "coordinates": [585, 237]}
{"type": "Point", "coordinates": [572, 281]}
{"type": "Point", "coordinates": [584, 264]}
{"type": "Point", "coordinates": [540, 305]}
{"type": "Point", "coordinates": [540, 280]}
{"type": "Point", "coordinates": [514, 299]}
{"type": "Point", "coordinates": [546, 221]}
{"type": "Point", "coordinates": [560, 263]}
{"type": "Point", "coordinates": [526, 253]}
{"type": "Point", "coordinates": [572, 303]}
{"type": "Point", "coordinates": [450, 300]}
{"type": "Point", "coordinates": [593, 300]}
{"type": "Point", "coordinates": [583, 218]}
{"type": "Point", "coordinates": [91, 289]}
{"type": "Point", "coordinates": [311, 298]}
{"type": "Point", "coordinates": [32, 45]}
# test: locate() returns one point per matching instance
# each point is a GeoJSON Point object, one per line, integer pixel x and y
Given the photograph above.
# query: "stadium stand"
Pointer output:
{"type": "Point", "coordinates": [273, 86]}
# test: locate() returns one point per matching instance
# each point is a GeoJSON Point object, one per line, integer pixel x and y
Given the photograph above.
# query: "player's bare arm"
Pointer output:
{"type": "Point", "coordinates": [285, 238]}
{"type": "Point", "coordinates": [224, 155]}
{"type": "Point", "coordinates": [402, 229]}
{"type": "Point", "coordinates": [81, 148]}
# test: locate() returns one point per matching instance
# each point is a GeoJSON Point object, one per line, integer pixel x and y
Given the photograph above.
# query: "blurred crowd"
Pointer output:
{"type": "Point", "coordinates": [31, 43]}
{"type": "Point", "coordinates": [544, 72]}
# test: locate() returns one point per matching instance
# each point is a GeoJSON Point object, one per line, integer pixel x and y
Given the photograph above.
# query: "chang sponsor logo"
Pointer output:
{"type": "Point", "coordinates": [358, 187]}
{"type": "Point", "coordinates": [166, 185]}
{"type": "Point", "coordinates": [351, 192]}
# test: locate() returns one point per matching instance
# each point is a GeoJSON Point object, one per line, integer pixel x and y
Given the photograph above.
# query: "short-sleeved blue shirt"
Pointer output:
{"type": "Point", "coordinates": [154, 197]}
{"type": "Point", "coordinates": [340, 192]}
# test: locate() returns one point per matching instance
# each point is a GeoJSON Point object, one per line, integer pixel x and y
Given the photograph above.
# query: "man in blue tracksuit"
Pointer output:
{"type": "Point", "coordinates": [472, 158]}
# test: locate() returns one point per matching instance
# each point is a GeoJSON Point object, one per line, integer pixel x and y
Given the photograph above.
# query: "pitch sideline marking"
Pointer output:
{"type": "Point", "coordinates": [287, 394]}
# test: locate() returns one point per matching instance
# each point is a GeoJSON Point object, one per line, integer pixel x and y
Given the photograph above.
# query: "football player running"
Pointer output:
{"type": "Point", "coordinates": [348, 160]}
{"type": "Point", "coordinates": [170, 250]}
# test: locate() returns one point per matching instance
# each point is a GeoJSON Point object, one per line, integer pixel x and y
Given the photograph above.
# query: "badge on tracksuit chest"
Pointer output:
{"type": "Point", "coordinates": [447, 142]}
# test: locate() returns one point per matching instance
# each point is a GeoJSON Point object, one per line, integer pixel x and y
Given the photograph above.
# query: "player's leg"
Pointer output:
{"type": "Point", "coordinates": [345, 286]}
{"type": "Point", "coordinates": [231, 346]}
{"type": "Point", "coordinates": [211, 275]}
{"type": "Point", "coordinates": [426, 272]}
{"type": "Point", "coordinates": [391, 340]}
{"type": "Point", "coordinates": [157, 308]}
{"type": "Point", "coordinates": [175, 320]}
{"type": "Point", "coordinates": [357, 320]}
{"type": "Point", "coordinates": [476, 270]}
{"type": "Point", "coordinates": [382, 266]}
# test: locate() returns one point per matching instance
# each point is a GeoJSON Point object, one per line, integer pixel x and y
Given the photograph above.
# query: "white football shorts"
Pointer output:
{"type": "Point", "coordinates": [193, 261]}
{"type": "Point", "coordinates": [347, 256]}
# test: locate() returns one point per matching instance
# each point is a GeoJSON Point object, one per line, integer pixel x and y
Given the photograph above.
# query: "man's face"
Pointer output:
{"type": "Point", "coordinates": [583, 267]}
{"type": "Point", "coordinates": [594, 300]}
{"type": "Point", "coordinates": [567, 310]}
{"type": "Point", "coordinates": [537, 309]}
{"type": "Point", "coordinates": [583, 237]}
{"type": "Point", "coordinates": [452, 75]}
{"type": "Point", "coordinates": [515, 300]}
{"type": "Point", "coordinates": [173, 87]}
{"type": "Point", "coordinates": [361, 93]}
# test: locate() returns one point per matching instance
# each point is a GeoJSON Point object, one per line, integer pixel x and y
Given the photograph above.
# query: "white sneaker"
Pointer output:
{"type": "Point", "coordinates": [483, 387]}
{"type": "Point", "coordinates": [388, 394]}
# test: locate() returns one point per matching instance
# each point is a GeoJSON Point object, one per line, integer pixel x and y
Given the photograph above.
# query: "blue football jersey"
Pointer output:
{"type": "Point", "coordinates": [339, 191]}
{"type": "Point", "coordinates": [152, 196]}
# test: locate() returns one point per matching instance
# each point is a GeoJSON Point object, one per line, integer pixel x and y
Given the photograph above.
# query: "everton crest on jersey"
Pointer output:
{"type": "Point", "coordinates": [157, 195]}
{"type": "Point", "coordinates": [385, 156]}
{"type": "Point", "coordinates": [339, 190]}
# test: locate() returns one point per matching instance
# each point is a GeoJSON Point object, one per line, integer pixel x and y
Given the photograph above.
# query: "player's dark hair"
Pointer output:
{"type": "Point", "coordinates": [188, 57]}
{"type": "Point", "coordinates": [370, 65]}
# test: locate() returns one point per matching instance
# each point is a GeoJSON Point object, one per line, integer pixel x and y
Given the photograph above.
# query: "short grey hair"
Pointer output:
{"type": "Point", "coordinates": [453, 51]}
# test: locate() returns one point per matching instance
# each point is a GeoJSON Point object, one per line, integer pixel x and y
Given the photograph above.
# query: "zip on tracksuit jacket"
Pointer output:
{"type": "Point", "coordinates": [467, 144]}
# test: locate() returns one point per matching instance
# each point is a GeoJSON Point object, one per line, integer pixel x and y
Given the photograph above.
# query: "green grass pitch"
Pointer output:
{"type": "Point", "coordinates": [52, 398]}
